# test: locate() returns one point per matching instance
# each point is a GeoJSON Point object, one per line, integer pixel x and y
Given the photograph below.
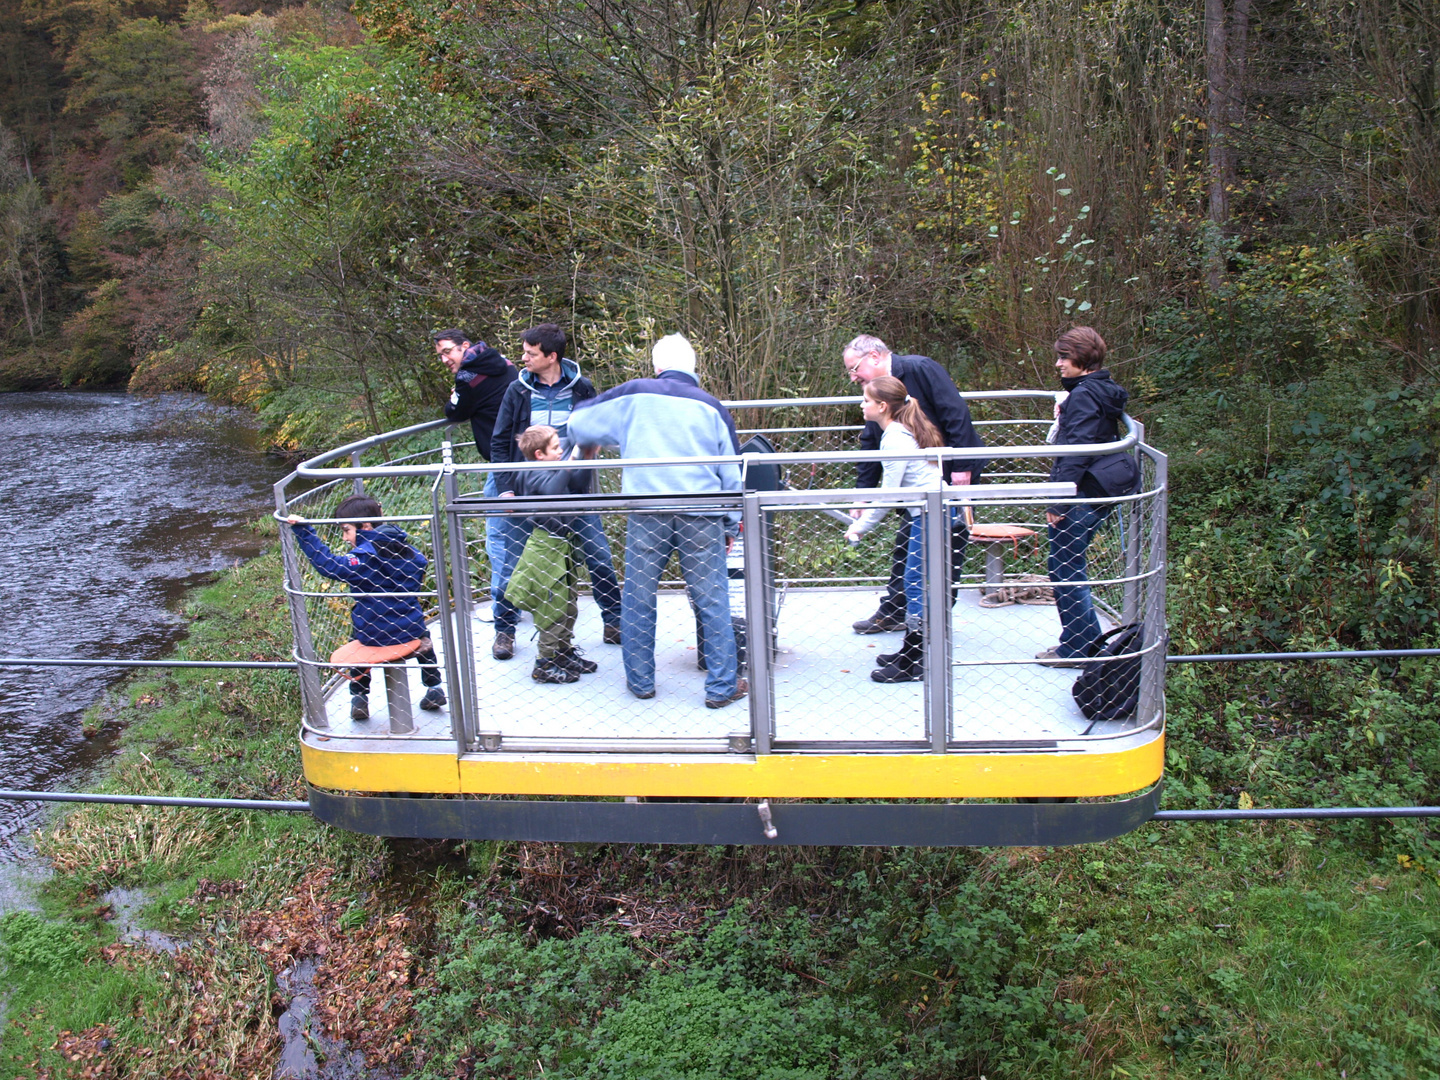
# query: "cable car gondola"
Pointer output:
{"type": "Point", "coordinates": [990, 749]}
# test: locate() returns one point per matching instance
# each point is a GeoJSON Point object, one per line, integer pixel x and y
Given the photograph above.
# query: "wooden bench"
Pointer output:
{"type": "Point", "coordinates": [397, 683]}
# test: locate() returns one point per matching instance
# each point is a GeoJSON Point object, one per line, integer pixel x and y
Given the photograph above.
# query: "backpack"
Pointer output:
{"type": "Point", "coordinates": [762, 476]}
{"type": "Point", "coordinates": [1109, 689]}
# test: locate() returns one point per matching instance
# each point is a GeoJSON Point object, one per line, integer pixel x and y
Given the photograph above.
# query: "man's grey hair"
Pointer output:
{"type": "Point", "coordinates": [867, 345]}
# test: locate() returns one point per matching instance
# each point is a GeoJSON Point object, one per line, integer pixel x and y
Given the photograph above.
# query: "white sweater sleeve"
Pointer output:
{"type": "Point", "coordinates": [896, 437]}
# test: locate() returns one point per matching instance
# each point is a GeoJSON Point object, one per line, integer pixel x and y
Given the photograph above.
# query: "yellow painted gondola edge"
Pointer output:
{"type": "Point", "coordinates": [349, 770]}
{"type": "Point", "coordinates": [793, 776]}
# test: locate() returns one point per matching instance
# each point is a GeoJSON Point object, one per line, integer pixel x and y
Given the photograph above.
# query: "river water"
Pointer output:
{"type": "Point", "coordinates": [113, 507]}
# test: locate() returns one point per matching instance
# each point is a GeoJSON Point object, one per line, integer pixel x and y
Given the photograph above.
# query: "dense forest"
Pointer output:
{"type": "Point", "coordinates": [277, 205]}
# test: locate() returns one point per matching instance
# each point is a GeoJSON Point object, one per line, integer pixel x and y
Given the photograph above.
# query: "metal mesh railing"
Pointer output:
{"type": "Point", "coordinates": [970, 679]}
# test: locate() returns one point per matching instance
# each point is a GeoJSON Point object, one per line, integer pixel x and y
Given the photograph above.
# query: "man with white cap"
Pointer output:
{"type": "Point", "coordinates": [669, 416]}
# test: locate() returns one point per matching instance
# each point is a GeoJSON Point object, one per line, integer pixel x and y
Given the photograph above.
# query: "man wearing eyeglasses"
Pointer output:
{"type": "Point", "coordinates": [865, 358]}
{"type": "Point", "coordinates": [482, 375]}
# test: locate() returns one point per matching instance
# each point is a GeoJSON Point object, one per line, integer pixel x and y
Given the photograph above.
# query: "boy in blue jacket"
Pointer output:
{"type": "Point", "coordinates": [381, 560]}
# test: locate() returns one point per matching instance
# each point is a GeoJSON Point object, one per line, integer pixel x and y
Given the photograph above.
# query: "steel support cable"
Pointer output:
{"type": "Point", "coordinates": [1298, 813]}
{"type": "Point", "coordinates": [33, 661]}
{"type": "Point", "coordinates": [1343, 654]}
{"type": "Point", "coordinates": [155, 800]}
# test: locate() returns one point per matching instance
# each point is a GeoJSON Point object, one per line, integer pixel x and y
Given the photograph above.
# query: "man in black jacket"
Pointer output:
{"type": "Point", "coordinates": [866, 358]}
{"type": "Point", "coordinates": [482, 375]}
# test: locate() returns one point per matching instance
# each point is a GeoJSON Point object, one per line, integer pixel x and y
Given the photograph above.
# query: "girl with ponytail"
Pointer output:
{"type": "Point", "coordinates": [904, 427]}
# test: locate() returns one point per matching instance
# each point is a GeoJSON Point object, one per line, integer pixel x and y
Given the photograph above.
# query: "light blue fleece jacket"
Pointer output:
{"type": "Point", "coordinates": [668, 416]}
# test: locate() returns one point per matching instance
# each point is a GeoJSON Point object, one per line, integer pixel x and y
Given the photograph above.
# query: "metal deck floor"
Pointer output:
{"type": "Point", "coordinates": [823, 691]}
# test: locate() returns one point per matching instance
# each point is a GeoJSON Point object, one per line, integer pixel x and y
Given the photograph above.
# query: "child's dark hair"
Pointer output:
{"type": "Point", "coordinates": [363, 507]}
{"type": "Point", "coordinates": [891, 392]}
{"type": "Point", "coordinates": [534, 439]}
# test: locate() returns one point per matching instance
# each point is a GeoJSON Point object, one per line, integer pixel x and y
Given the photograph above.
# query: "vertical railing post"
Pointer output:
{"type": "Point", "coordinates": [939, 679]}
{"type": "Point", "coordinates": [758, 628]}
{"type": "Point", "coordinates": [358, 484]}
{"type": "Point", "coordinates": [439, 550]}
{"type": "Point", "coordinates": [312, 698]}
{"type": "Point", "coordinates": [468, 734]}
{"type": "Point", "coordinates": [1131, 516]}
{"type": "Point", "coordinates": [1153, 633]}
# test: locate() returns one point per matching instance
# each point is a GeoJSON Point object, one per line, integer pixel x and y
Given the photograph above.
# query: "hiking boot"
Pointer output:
{"type": "Point", "coordinates": [742, 687]}
{"type": "Point", "coordinates": [359, 708]}
{"type": "Point", "coordinates": [612, 634]}
{"type": "Point", "coordinates": [504, 647]}
{"type": "Point", "coordinates": [548, 671]}
{"type": "Point", "coordinates": [571, 660]}
{"type": "Point", "coordinates": [434, 698]}
{"type": "Point", "coordinates": [879, 624]}
{"type": "Point", "coordinates": [906, 665]}
{"type": "Point", "coordinates": [1052, 658]}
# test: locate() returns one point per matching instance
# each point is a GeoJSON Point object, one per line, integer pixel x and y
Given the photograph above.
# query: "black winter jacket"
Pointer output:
{"type": "Point", "coordinates": [1091, 414]}
{"type": "Point", "coordinates": [931, 386]}
{"type": "Point", "coordinates": [480, 383]}
{"type": "Point", "coordinates": [528, 401]}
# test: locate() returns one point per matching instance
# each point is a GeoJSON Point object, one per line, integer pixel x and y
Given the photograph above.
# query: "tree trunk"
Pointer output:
{"type": "Point", "coordinates": [1227, 39]}
{"type": "Point", "coordinates": [1220, 167]}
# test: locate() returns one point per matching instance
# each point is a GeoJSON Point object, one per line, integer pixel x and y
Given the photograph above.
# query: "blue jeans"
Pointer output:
{"type": "Point", "coordinates": [502, 548]}
{"type": "Point", "coordinates": [700, 544]}
{"type": "Point", "coordinates": [1079, 628]}
{"type": "Point", "coordinates": [914, 574]}
{"type": "Point", "coordinates": [589, 532]}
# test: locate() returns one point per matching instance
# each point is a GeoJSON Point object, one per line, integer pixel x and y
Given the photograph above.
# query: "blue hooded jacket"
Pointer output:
{"type": "Point", "coordinates": [382, 561]}
{"type": "Point", "coordinates": [527, 402]}
{"type": "Point", "coordinates": [668, 416]}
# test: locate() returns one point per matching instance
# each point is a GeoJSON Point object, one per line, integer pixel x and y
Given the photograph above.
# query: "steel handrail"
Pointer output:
{"type": "Point", "coordinates": [942, 453]}
{"type": "Point", "coordinates": [310, 467]}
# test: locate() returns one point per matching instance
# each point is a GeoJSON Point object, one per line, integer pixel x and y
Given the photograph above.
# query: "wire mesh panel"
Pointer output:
{"type": "Point", "coordinates": [562, 679]}
{"type": "Point", "coordinates": [1058, 655]}
{"type": "Point", "coordinates": [822, 690]}
{"type": "Point", "coordinates": [364, 589]}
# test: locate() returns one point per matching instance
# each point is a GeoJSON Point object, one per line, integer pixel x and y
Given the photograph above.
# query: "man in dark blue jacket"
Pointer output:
{"type": "Point", "coordinates": [381, 560]}
{"type": "Point", "coordinates": [482, 375]}
{"type": "Point", "coordinates": [1090, 414]}
{"type": "Point", "coordinates": [866, 358]}
{"type": "Point", "coordinates": [544, 395]}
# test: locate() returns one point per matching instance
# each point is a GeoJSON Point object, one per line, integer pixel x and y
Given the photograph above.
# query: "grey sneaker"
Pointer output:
{"type": "Point", "coordinates": [1052, 658]}
{"type": "Point", "coordinates": [359, 708]}
{"type": "Point", "coordinates": [571, 660]}
{"type": "Point", "coordinates": [504, 647]}
{"type": "Point", "coordinates": [434, 698]}
{"type": "Point", "coordinates": [878, 624]}
{"type": "Point", "coordinates": [548, 670]}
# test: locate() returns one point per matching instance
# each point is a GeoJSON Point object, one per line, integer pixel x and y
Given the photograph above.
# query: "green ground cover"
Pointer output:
{"type": "Point", "coordinates": [1303, 516]}
{"type": "Point", "coordinates": [1180, 950]}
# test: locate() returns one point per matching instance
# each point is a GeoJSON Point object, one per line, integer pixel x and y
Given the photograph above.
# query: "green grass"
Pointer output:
{"type": "Point", "coordinates": [1181, 950]}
